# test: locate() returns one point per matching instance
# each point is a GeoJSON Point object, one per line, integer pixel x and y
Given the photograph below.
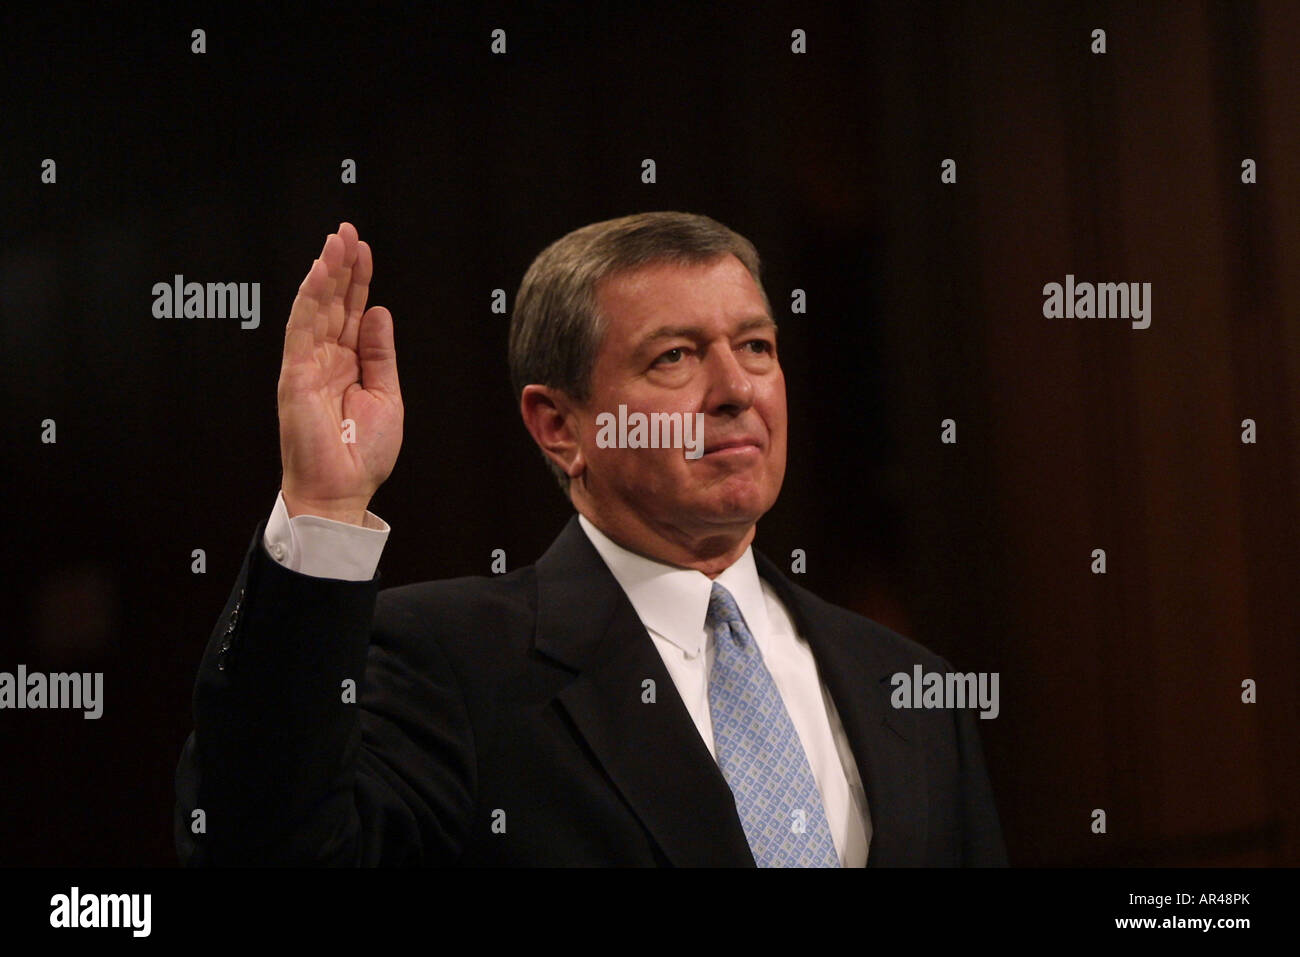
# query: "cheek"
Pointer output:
{"type": "Point", "coordinates": [651, 470]}
{"type": "Point", "coordinates": [775, 417]}
{"type": "Point", "coordinates": [772, 408]}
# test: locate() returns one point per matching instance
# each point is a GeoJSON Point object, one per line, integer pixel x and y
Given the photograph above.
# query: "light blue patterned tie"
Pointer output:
{"type": "Point", "coordinates": [759, 750]}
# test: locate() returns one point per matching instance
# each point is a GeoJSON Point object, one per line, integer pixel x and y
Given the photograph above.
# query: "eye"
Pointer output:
{"type": "Point", "coordinates": [670, 357]}
{"type": "Point", "coordinates": [763, 344]}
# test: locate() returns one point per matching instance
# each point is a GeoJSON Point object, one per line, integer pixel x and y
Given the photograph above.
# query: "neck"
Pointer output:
{"type": "Point", "coordinates": [710, 553]}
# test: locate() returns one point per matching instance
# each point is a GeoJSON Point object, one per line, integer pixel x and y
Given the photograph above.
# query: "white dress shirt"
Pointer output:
{"type": "Point", "coordinates": [672, 603]}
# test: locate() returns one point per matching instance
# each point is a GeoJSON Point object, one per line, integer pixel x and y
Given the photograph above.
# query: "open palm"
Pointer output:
{"type": "Point", "coordinates": [339, 400]}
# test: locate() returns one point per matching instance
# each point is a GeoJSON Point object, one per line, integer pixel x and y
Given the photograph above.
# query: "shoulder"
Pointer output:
{"type": "Point", "coordinates": [893, 650]}
{"type": "Point", "coordinates": [476, 604]}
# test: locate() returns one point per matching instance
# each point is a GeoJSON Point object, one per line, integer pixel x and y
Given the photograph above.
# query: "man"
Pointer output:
{"type": "Point", "coordinates": [651, 692]}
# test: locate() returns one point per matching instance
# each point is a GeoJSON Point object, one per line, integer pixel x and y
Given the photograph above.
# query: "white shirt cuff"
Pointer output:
{"type": "Point", "coordinates": [323, 548]}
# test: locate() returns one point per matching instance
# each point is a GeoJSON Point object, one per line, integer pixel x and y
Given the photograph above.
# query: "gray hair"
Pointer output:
{"type": "Point", "coordinates": [556, 329]}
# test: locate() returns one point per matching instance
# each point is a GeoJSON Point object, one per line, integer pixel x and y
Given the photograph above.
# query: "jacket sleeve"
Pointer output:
{"type": "Point", "coordinates": [981, 831]}
{"type": "Point", "coordinates": [324, 733]}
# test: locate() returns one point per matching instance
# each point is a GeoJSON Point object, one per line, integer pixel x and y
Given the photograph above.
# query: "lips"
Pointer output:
{"type": "Point", "coordinates": [740, 442]}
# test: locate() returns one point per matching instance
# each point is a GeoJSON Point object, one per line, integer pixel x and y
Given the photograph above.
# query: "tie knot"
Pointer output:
{"type": "Point", "coordinates": [723, 610]}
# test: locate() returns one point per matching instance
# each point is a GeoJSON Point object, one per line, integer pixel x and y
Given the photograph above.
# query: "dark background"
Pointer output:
{"type": "Point", "coordinates": [1119, 692]}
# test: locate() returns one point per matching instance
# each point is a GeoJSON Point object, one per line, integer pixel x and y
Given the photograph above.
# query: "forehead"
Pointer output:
{"type": "Point", "coordinates": [719, 291]}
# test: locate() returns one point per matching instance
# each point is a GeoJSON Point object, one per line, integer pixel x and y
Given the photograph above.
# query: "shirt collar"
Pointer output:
{"type": "Point", "coordinates": [673, 602]}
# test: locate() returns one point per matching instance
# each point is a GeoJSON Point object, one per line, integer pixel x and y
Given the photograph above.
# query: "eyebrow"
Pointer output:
{"type": "Point", "coordinates": [693, 332]}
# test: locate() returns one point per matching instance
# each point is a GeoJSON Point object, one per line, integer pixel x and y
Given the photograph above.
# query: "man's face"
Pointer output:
{"type": "Point", "coordinates": [688, 339]}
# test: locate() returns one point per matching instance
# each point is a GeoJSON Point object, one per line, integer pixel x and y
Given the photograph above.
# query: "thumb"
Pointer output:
{"type": "Point", "coordinates": [376, 352]}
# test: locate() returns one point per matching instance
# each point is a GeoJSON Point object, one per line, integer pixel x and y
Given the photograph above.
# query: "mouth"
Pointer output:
{"type": "Point", "coordinates": [738, 446]}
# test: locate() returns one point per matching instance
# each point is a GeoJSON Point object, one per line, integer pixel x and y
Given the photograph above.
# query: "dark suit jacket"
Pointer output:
{"type": "Point", "coordinates": [500, 721]}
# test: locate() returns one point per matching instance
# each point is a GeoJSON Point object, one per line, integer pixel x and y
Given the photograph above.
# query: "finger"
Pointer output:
{"type": "Point", "coordinates": [333, 256]}
{"type": "Point", "coordinates": [306, 326]}
{"type": "Point", "coordinates": [377, 352]}
{"type": "Point", "coordinates": [342, 282]}
{"type": "Point", "coordinates": [348, 233]}
{"type": "Point", "coordinates": [358, 291]}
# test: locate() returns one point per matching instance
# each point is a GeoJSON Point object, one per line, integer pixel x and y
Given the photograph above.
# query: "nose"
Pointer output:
{"type": "Point", "coordinates": [730, 388]}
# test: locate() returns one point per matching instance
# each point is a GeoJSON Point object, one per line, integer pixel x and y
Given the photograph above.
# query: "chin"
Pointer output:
{"type": "Point", "coordinates": [742, 507]}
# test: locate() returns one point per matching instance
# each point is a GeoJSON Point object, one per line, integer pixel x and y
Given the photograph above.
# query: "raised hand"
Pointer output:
{"type": "Point", "coordinates": [339, 364]}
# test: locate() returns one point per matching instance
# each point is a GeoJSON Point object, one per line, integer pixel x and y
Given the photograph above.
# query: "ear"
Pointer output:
{"type": "Point", "coordinates": [551, 418]}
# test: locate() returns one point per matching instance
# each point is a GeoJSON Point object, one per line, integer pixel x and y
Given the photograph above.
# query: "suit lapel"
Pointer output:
{"type": "Point", "coordinates": [883, 738]}
{"type": "Point", "coordinates": [652, 752]}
